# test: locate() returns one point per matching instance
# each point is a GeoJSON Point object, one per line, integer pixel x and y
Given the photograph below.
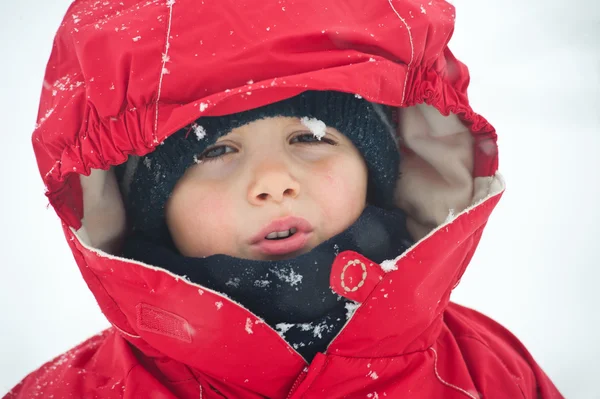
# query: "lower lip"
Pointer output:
{"type": "Point", "coordinates": [281, 247]}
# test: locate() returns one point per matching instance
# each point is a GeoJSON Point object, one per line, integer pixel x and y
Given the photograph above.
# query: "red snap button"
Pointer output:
{"type": "Point", "coordinates": [353, 276]}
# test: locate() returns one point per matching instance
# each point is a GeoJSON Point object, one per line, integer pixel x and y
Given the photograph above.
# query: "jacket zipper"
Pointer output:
{"type": "Point", "coordinates": [298, 381]}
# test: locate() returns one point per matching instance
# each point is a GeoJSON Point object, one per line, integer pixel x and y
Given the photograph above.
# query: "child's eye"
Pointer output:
{"type": "Point", "coordinates": [310, 138]}
{"type": "Point", "coordinates": [215, 152]}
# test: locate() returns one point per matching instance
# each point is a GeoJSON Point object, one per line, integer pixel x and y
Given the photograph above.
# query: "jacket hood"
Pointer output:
{"type": "Point", "coordinates": [124, 76]}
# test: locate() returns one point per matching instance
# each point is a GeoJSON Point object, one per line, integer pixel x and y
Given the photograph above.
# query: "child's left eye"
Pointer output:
{"type": "Point", "coordinates": [310, 138]}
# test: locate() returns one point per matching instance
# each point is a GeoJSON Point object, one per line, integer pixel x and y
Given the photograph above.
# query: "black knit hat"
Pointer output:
{"type": "Point", "coordinates": [147, 182]}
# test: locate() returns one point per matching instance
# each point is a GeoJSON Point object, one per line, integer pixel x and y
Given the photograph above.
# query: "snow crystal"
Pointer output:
{"type": "Point", "coordinates": [234, 282]}
{"type": "Point", "coordinates": [423, 11]}
{"type": "Point", "coordinates": [336, 250]}
{"type": "Point", "coordinates": [373, 375]}
{"type": "Point", "coordinates": [165, 71]}
{"type": "Point", "coordinates": [350, 309]}
{"type": "Point", "coordinates": [317, 330]}
{"type": "Point", "coordinates": [358, 96]}
{"type": "Point", "coordinates": [250, 82]}
{"type": "Point", "coordinates": [262, 283]}
{"type": "Point", "coordinates": [372, 59]}
{"type": "Point", "coordinates": [282, 328]}
{"type": "Point", "coordinates": [199, 131]}
{"type": "Point", "coordinates": [43, 118]}
{"type": "Point", "coordinates": [203, 107]}
{"type": "Point", "coordinates": [389, 265]}
{"type": "Point", "coordinates": [112, 87]}
{"type": "Point", "coordinates": [159, 175]}
{"type": "Point", "coordinates": [219, 305]}
{"type": "Point", "coordinates": [200, 291]}
{"type": "Point", "coordinates": [248, 327]}
{"type": "Point", "coordinates": [135, 39]}
{"type": "Point", "coordinates": [316, 126]}
{"type": "Point", "coordinates": [64, 84]}
{"type": "Point", "coordinates": [291, 277]}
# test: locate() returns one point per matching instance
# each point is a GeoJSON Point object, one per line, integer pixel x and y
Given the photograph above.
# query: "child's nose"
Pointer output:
{"type": "Point", "coordinates": [273, 183]}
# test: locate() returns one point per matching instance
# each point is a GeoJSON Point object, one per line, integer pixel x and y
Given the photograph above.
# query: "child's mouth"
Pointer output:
{"type": "Point", "coordinates": [280, 235]}
{"type": "Point", "coordinates": [283, 236]}
{"type": "Point", "coordinates": [283, 245]}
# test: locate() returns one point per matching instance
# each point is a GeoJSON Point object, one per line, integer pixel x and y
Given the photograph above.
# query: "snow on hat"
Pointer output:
{"type": "Point", "coordinates": [147, 182]}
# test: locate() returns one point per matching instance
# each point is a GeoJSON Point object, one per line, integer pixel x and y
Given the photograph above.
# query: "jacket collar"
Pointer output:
{"type": "Point", "coordinates": [399, 308]}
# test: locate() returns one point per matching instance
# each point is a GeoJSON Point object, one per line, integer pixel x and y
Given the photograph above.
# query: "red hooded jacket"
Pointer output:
{"type": "Point", "coordinates": [124, 75]}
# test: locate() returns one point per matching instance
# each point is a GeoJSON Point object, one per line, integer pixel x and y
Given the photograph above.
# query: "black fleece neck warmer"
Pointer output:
{"type": "Point", "coordinates": [293, 295]}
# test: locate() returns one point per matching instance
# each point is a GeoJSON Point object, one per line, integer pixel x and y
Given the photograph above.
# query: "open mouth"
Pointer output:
{"type": "Point", "coordinates": [281, 235]}
{"type": "Point", "coordinates": [287, 244]}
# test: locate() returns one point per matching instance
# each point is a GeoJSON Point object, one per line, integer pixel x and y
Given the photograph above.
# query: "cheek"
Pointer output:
{"type": "Point", "coordinates": [341, 191]}
{"type": "Point", "coordinates": [199, 221]}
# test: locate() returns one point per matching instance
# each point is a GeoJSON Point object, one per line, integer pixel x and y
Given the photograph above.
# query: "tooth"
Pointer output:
{"type": "Point", "coordinates": [293, 230]}
{"type": "Point", "coordinates": [272, 235]}
{"type": "Point", "coordinates": [281, 234]}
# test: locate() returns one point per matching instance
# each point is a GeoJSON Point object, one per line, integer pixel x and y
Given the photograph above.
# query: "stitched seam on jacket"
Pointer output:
{"type": "Point", "coordinates": [127, 376]}
{"type": "Point", "coordinates": [412, 49]}
{"type": "Point", "coordinates": [480, 341]}
{"type": "Point", "coordinates": [165, 58]}
{"type": "Point", "coordinates": [124, 332]}
{"type": "Point", "coordinates": [444, 382]}
{"type": "Point", "coordinates": [315, 378]}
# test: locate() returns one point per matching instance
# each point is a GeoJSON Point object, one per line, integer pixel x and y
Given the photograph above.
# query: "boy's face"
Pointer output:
{"type": "Point", "coordinates": [271, 175]}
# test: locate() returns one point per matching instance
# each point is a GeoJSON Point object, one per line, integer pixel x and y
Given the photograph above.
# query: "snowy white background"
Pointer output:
{"type": "Point", "coordinates": [535, 69]}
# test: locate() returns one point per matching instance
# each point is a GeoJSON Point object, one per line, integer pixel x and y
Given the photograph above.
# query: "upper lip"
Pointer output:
{"type": "Point", "coordinates": [283, 224]}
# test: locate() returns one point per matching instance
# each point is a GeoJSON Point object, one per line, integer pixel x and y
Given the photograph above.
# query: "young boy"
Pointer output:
{"type": "Point", "coordinates": [267, 202]}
